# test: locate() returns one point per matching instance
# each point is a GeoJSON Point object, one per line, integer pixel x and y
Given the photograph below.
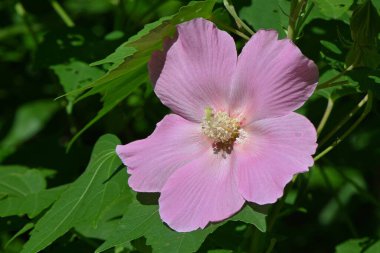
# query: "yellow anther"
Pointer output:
{"type": "Point", "coordinates": [220, 127]}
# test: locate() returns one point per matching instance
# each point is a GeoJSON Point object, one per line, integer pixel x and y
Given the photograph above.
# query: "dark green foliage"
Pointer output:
{"type": "Point", "coordinates": [74, 76]}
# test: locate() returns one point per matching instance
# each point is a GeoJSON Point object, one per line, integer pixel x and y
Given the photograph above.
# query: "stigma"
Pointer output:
{"type": "Point", "coordinates": [222, 129]}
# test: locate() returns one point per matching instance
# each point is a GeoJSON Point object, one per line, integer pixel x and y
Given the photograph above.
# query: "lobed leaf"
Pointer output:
{"type": "Point", "coordinates": [144, 220]}
{"type": "Point", "coordinates": [85, 199]}
{"type": "Point", "coordinates": [20, 181]}
{"type": "Point", "coordinates": [74, 75]}
{"type": "Point", "coordinates": [129, 61]}
{"type": "Point", "coordinates": [333, 8]}
{"type": "Point", "coordinates": [267, 14]}
{"type": "Point", "coordinates": [31, 204]}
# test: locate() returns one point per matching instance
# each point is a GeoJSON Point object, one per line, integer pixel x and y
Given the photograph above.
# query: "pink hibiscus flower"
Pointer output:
{"type": "Point", "coordinates": [233, 135]}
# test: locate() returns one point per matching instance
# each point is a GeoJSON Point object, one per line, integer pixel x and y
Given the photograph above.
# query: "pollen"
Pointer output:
{"type": "Point", "coordinates": [221, 128]}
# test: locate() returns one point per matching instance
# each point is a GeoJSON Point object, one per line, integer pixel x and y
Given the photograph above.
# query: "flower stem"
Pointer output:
{"type": "Point", "coordinates": [273, 216]}
{"type": "Point", "coordinates": [62, 13]}
{"type": "Point", "coordinates": [328, 83]}
{"type": "Point", "coordinates": [344, 120]}
{"type": "Point", "coordinates": [233, 30]}
{"type": "Point", "coordinates": [296, 7]}
{"type": "Point", "coordinates": [303, 18]}
{"type": "Point", "coordinates": [272, 243]}
{"type": "Point", "coordinates": [275, 213]}
{"type": "Point", "coordinates": [366, 111]}
{"type": "Point", "coordinates": [326, 115]}
{"type": "Point", "coordinates": [231, 9]}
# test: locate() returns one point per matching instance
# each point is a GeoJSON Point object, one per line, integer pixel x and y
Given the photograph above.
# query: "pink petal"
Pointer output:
{"type": "Point", "coordinates": [151, 161]}
{"type": "Point", "coordinates": [197, 71]}
{"type": "Point", "coordinates": [276, 149]}
{"type": "Point", "coordinates": [202, 191]}
{"type": "Point", "coordinates": [272, 78]}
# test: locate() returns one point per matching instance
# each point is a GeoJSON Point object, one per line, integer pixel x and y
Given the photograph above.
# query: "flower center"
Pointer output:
{"type": "Point", "coordinates": [222, 129]}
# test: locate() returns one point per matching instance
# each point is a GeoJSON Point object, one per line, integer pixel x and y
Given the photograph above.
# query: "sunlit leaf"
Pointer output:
{"type": "Point", "coordinates": [267, 14]}
{"type": "Point", "coordinates": [333, 8]}
{"type": "Point", "coordinates": [363, 245]}
{"type": "Point", "coordinates": [337, 91]}
{"type": "Point", "coordinates": [74, 75]}
{"type": "Point", "coordinates": [144, 220]}
{"type": "Point", "coordinates": [19, 181]}
{"type": "Point", "coordinates": [129, 61]}
{"type": "Point", "coordinates": [31, 204]}
{"type": "Point", "coordinates": [85, 199]}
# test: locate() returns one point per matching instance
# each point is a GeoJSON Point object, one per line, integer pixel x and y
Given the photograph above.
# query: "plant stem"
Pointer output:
{"type": "Point", "coordinates": [333, 79]}
{"type": "Point", "coordinates": [22, 13]}
{"type": "Point", "coordinates": [344, 120]}
{"type": "Point", "coordinates": [329, 85]}
{"type": "Point", "coordinates": [273, 217]}
{"type": "Point", "coordinates": [296, 8]}
{"type": "Point", "coordinates": [352, 128]}
{"type": "Point", "coordinates": [231, 9]}
{"type": "Point", "coordinates": [271, 245]}
{"type": "Point", "coordinates": [275, 213]}
{"type": "Point", "coordinates": [233, 30]}
{"type": "Point", "coordinates": [62, 13]}
{"type": "Point", "coordinates": [326, 115]}
{"type": "Point", "coordinates": [256, 240]}
{"type": "Point", "coordinates": [304, 17]}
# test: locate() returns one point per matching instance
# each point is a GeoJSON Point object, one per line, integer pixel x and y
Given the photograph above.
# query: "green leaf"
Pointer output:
{"type": "Point", "coordinates": [101, 231]}
{"type": "Point", "coordinates": [137, 50]}
{"type": "Point", "coordinates": [116, 58]}
{"type": "Point", "coordinates": [333, 8]}
{"type": "Point", "coordinates": [74, 75]}
{"type": "Point", "coordinates": [24, 229]}
{"type": "Point", "coordinates": [119, 89]}
{"type": "Point", "coordinates": [363, 245]}
{"type": "Point", "coordinates": [331, 46]}
{"type": "Point", "coordinates": [377, 5]}
{"type": "Point", "coordinates": [30, 118]}
{"type": "Point", "coordinates": [367, 79]}
{"type": "Point", "coordinates": [108, 220]}
{"type": "Point", "coordinates": [129, 61]}
{"type": "Point", "coordinates": [31, 204]}
{"type": "Point", "coordinates": [267, 14]}
{"type": "Point", "coordinates": [250, 215]}
{"type": "Point", "coordinates": [331, 210]}
{"type": "Point", "coordinates": [23, 191]}
{"type": "Point", "coordinates": [365, 28]}
{"type": "Point", "coordinates": [220, 251]}
{"type": "Point", "coordinates": [144, 220]}
{"type": "Point", "coordinates": [338, 91]}
{"type": "Point", "coordinates": [85, 199]}
{"type": "Point", "coordinates": [114, 35]}
{"type": "Point", "coordinates": [20, 181]}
